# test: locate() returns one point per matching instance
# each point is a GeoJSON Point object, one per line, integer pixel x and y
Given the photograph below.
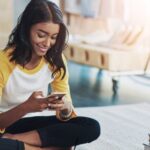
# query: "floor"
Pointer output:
{"type": "Point", "coordinates": [92, 87]}
{"type": "Point", "coordinates": [124, 127]}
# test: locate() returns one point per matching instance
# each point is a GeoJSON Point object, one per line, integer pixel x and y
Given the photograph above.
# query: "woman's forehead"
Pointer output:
{"type": "Point", "coordinates": [47, 27]}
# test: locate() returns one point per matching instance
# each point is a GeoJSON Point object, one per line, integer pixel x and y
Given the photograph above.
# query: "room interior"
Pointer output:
{"type": "Point", "coordinates": [108, 56]}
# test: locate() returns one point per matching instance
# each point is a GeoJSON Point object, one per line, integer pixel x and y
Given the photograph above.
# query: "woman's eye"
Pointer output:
{"type": "Point", "coordinates": [54, 38]}
{"type": "Point", "coordinates": [41, 35]}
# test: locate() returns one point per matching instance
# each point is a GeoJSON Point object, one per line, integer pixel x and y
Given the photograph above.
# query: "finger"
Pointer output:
{"type": "Point", "coordinates": [41, 93]}
{"type": "Point", "coordinates": [38, 94]}
{"type": "Point", "coordinates": [64, 97]}
{"type": "Point", "coordinates": [55, 106]}
{"type": "Point", "coordinates": [59, 102]}
{"type": "Point", "coordinates": [53, 99]}
{"type": "Point", "coordinates": [50, 107]}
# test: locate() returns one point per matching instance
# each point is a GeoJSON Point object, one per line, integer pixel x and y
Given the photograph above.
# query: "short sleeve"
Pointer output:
{"type": "Point", "coordinates": [1, 87]}
{"type": "Point", "coordinates": [1, 83]}
{"type": "Point", "coordinates": [62, 85]}
{"type": "Point", "coordinates": [6, 68]}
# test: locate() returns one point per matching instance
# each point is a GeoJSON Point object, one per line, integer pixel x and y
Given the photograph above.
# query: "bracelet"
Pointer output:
{"type": "Point", "coordinates": [65, 116]}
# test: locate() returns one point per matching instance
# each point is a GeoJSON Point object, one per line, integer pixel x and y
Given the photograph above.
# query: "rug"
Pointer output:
{"type": "Point", "coordinates": [124, 127]}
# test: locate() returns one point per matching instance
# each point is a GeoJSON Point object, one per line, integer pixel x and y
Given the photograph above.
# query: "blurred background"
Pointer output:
{"type": "Point", "coordinates": [108, 48]}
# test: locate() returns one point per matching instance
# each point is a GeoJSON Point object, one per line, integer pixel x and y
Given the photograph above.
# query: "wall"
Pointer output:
{"type": "Point", "coordinates": [9, 12]}
{"type": "Point", "coordinates": [6, 21]}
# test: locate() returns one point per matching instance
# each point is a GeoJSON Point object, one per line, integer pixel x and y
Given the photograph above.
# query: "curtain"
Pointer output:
{"type": "Point", "coordinates": [86, 8]}
{"type": "Point", "coordinates": [132, 11]}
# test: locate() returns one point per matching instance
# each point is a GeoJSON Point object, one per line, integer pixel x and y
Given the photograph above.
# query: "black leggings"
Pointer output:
{"type": "Point", "coordinates": [54, 132]}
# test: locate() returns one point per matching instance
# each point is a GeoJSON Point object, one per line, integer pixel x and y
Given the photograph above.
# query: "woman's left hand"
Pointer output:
{"type": "Point", "coordinates": [60, 104]}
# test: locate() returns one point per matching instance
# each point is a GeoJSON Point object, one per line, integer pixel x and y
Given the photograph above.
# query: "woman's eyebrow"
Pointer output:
{"type": "Point", "coordinates": [43, 31]}
{"type": "Point", "coordinates": [46, 32]}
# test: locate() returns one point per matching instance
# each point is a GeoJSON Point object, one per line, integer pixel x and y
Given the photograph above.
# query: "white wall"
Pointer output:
{"type": "Point", "coordinates": [19, 6]}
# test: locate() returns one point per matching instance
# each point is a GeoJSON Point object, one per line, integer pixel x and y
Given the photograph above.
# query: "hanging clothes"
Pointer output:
{"type": "Point", "coordinates": [90, 8]}
{"type": "Point", "coordinates": [86, 8]}
{"type": "Point", "coordinates": [73, 6]}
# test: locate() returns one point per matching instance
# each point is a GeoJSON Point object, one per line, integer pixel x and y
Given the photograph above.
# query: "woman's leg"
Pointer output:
{"type": "Point", "coordinates": [59, 134]}
{"type": "Point", "coordinates": [29, 147]}
{"type": "Point", "coordinates": [76, 131]}
{"type": "Point", "coordinates": [11, 141]}
{"type": "Point", "coordinates": [8, 144]}
{"type": "Point", "coordinates": [31, 138]}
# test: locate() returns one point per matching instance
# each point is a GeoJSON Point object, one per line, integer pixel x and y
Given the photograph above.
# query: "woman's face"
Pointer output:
{"type": "Point", "coordinates": [43, 36]}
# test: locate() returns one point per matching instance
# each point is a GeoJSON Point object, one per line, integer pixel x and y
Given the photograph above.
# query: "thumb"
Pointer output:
{"type": "Point", "coordinates": [39, 94]}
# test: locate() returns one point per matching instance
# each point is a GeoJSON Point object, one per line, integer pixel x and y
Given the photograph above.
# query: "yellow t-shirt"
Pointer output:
{"type": "Point", "coordinates": [18, 83]}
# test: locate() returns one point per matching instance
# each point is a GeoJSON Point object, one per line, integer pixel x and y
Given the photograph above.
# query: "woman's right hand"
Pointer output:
{"type": "Point", "coordinates": [36, 102]}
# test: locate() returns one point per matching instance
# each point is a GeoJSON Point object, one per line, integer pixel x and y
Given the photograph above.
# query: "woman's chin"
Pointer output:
{"type": "Point", "coordinates": [40, 53]}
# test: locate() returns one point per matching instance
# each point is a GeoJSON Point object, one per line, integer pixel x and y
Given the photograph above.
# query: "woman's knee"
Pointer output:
{"type": "Point", "coordinates": [93, 129]}
{"type": "Point", "coordinates": [90, 129]}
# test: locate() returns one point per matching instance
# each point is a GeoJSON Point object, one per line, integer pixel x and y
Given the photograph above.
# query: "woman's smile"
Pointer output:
{"type": "Point", "coordinates": [42, 49]}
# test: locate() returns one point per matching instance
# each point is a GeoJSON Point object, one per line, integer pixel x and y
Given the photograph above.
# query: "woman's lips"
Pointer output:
{"type": "Point", "coordinates": [43, 49]}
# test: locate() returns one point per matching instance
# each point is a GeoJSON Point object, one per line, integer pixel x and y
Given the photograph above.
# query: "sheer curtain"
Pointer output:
{"type": "Point", "coordinates": [132, 11]}
{"type": "Point", "coordinates": [86, 8]}
{"type": "Point", "coordinates": [112, 9]}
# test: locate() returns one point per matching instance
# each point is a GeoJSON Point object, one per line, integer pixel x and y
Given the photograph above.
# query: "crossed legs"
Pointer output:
{"type": "Point", "coordinates": [48, 133]}
{"type": "Point", "coordinates": [31, 141]}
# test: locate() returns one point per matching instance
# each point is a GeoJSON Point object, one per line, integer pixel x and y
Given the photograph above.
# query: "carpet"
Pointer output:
{"type": "Point", "coordinates": [124, 127]}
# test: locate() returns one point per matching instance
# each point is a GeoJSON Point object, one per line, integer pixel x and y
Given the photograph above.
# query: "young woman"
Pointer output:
{"type": "Point", "coordinates": [31, 61]}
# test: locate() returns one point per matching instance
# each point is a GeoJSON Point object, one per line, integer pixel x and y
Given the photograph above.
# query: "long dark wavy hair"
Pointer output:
{"type": "Point", "coordinates": [38, 11]}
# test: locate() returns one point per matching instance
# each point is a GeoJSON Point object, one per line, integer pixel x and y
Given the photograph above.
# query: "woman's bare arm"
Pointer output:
{"type": "Point", "coordinates": [9, 117]}
{"type": "Point", "coordinates": [32, 104]}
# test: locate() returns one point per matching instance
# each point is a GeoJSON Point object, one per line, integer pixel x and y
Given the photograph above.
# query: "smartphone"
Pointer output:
{"type": "Point", "coordinates": [56, 95]}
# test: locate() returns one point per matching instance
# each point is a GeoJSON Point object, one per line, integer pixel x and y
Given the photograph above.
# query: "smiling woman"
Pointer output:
{"type": "Point", "coordinates": [31, 61]}
{"type": "Point", "coordinates": [43, 36]}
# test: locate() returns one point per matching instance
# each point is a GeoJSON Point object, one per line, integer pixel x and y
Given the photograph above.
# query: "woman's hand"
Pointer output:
{"type": "Point", "coordinates": [36, 102]}
{"type": "Point", "coordinates": [62, 105]}
{"type": "Point", "coordinates": [59, 104]}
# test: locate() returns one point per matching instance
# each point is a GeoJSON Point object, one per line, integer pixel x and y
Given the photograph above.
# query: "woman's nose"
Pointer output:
{"type": "Point", "coordinates": [47, 42]}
